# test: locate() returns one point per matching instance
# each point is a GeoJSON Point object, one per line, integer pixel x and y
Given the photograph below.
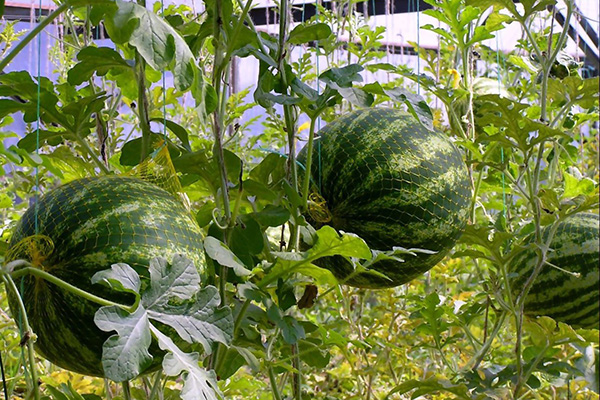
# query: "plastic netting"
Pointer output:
{"type": "Point", "coordinates": [157, 169]}
{"type": "Point", "coordinates": [394, 183]}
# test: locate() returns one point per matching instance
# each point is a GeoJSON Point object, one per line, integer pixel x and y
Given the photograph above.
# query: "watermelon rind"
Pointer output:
{"type": "Point", "coordinates": [393, 182]}
{"type": "Point", "coordinates": [571, 297]}
{"type": "Point", "coordinates": [94, 223]}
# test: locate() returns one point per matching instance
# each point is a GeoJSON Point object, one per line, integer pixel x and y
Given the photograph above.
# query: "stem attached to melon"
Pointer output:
{"type": "Point", "coordinates": [10, 283]}
{"type": "Point", "coordinates": [29, 269]}
{"type": "Point", "coordinates": [126, 390]}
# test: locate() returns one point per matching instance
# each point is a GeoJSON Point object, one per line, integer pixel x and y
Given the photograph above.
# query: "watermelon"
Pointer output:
{"type": "Point", "coordinates": [393, 182]}
{"type": "Point", "coordinates": [572, 298]}
{"type": "Point", "coordinates": [481, 86]}
{"type": "Point", "coordinates": [94, 223]}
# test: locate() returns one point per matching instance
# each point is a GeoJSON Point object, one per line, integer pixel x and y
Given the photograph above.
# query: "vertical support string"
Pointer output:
{"type": "Point", "coordinates": [419, 45]}
{"type": "Point", "coordinates": [37, 130]}
{"type": "Point", "coordinates": [499, 70]}
{"type": "Point", "coordinates": [318, 19]}
{"type": "Point", "coordinates": [164, 85]}
{"type": "Point", "coordinates": [37, 189]}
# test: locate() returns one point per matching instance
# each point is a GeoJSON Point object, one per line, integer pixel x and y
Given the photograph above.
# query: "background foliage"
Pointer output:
{"type": "Point", "coordinates": [529, 135]}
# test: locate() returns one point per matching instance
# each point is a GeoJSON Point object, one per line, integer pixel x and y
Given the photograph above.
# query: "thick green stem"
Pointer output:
{"type": "Point", "coordinates": [218, 127]}
{"type": "Point", "coordinates": [26, 331]}
{"type": "Point", "coordinates": [221, 62]}
{"type": "Point", "coordinates": [240, 317]}
{"type": "Point", "coordinates": [156, 385]}
{"type": "Point", "coordinates": [237, 30]}
{"type": "Point", "coordinates": [33, 33]}
{"type": "Point", "coordinates": [288, 113]}
{"type": "Point", "coordinates": [273, 380]}
{"type": "Point", "coordinates": [126, 390]}
{"type": "Point", "coordinates": [31, 270]}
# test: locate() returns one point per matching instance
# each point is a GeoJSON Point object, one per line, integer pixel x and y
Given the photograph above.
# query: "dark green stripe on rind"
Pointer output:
{"type": "Point", "coordinates": [390, 180]}
{"type": "Point", "coordinates": [566, 297]}
{"type": "Point", "coordinates": [94, 223]}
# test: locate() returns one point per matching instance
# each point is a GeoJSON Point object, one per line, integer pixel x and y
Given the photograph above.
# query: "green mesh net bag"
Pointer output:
{"type": "Point", "coordinates": [84, 227]}
{"type": "Point", "coordinates": [382, 175]}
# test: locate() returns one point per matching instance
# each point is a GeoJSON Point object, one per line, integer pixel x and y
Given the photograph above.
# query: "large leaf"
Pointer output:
{"type": "Point", "coordinates": [124, 355]}
{"type": "Point", "coordinates": [158, 43]}
{"type": "Point", "coordinates": [308, 33]}
{"type": "Point", "coordinates": [198, 384]}
{"type": "Point", "coordinates": [416, 105]}
{"type": "Point", "coordinates": [219, 252]}
{"type": "Point", "coordinates": [20, 83]}
{"type": "Point", "coordinates": [99, 60]}
{"type": "Point", "coordinates": [342, 77]}
{"type": "Point", "coordinates": [327, 243]}
{"type": "Point", "coordinates": [120, 277]}
{"type": "Point", "coordinates": [173, 298]}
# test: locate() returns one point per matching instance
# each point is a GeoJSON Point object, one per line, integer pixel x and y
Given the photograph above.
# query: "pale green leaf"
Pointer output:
{"type": "Point", "coordinates": [124, 355]}
{"type": "Point", "coordinates": [158, 43]}
{"type": "Point", "coordinates": [198, 383]}
{"type": "Point", "coordinates": [219, 252]}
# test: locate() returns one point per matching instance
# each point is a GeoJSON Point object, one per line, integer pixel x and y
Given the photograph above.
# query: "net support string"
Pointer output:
{"type": "Point", "coordinates": [499, 68]}
{"type": "Point", "coordinates": [419, 45]}
{"type": "Point", "coordinates": [164, 85]}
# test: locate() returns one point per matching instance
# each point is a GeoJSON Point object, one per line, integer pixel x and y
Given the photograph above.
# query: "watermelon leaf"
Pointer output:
{"type": "Point", "coordinates": [272, 215]}
{"type": "Point", "coordinates": [120, 277]}
{"type": "Point", "coordinates": [124, 355]}
{"type": "Point", "coordinates": [198, 383]}
{"type": "Point", "coordinates": [308, 33]}
{"type": "Point", "coordinates": [156, 41]}
{"type": "Point", "coordinates": [328, 243]}
{"type": "Point", "coordinates": [219, 252]}
{"type": "Point", "coordinates": [416, 105]}
{"type": "Point", "coordinates": [180, 280]}
{"type": "Point", "coordinates": [99, 60]}
{"type": "Point", "coordinates": [342, 77]}
{"type": "Point", "coordinates": [173, 298]}
{"type": "Point", "coordinates": [357, 96]}
{"type": "Point", "coordinates": [575, 187]}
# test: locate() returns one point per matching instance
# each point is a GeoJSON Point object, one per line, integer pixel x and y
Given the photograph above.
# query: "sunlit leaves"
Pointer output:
{"type": "Point", "coordinates": [99, 61]}
{"type": "Point", "coordinates": [161, 46]}
{"type": "Point", "coordinates": [173, 298]}
{"type": "Point", "coordinates": [327, 243]}
{"type": "Point", "coordinates": [308, 33]}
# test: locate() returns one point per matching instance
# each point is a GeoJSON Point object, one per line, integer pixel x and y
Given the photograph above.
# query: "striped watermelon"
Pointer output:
{"type": "Point", "coordinates": [94, 223]}
{"type": "Point", "coordinates": [387, 178]}
{"type": "Point", "coordinates": [564, 297]}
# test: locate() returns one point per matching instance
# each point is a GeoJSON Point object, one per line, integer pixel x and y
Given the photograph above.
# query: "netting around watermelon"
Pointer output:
{"type": "Point", "coordinates": [568, 286]}
{"type": "Point", "coordinates": [393, 182]}
{"type": "Point", "coordinates": [158, 169]}
{"type": "Point", "coordinates": [93, 223]}
{"type": "Point", "coordinates": [84, 227]}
